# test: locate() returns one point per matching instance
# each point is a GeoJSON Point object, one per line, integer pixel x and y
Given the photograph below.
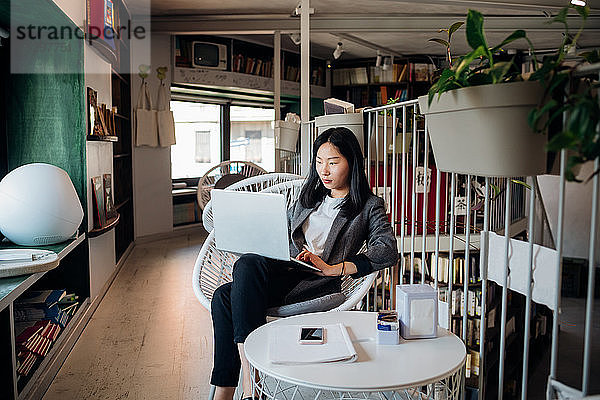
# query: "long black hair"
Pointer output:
{"type": "Point", "coordinates": [314, 191]}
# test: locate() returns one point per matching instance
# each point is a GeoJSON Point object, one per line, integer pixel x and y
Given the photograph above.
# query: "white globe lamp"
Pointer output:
{"type": "Point", "coordinates": [38, 205]}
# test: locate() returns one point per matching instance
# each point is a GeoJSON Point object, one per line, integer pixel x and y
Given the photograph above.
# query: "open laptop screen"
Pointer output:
{"type": "Point", "coordinates": [251, 222]}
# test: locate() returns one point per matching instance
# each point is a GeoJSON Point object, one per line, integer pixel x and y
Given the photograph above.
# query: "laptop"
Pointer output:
{"type": "Point", "coordinates": [251, 222]}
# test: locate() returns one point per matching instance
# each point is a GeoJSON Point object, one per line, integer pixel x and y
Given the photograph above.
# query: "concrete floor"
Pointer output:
{"type": "Point", "coordinates": [149, 338]}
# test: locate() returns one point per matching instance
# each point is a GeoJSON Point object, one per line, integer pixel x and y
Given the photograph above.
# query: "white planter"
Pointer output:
{"type": "Point", "coordinates": [483, 130]}
{"type": "Point", "coordinates": [355, 122]}
{"type": "Point", "coordinates": [286, 135]}
{"type": "Point", "coordinates": [352, 121]}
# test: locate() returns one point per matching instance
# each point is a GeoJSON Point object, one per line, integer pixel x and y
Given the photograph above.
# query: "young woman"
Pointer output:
{"type": "Point", "coordinates": [335, 214]}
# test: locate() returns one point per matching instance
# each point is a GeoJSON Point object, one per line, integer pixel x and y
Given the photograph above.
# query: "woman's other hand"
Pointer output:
{"type": "Point", "coordinates": [326, 269]}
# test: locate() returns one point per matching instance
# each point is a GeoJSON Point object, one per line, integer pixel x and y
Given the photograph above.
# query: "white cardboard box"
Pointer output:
{"type": "Point", "coordinates": [417, 311]}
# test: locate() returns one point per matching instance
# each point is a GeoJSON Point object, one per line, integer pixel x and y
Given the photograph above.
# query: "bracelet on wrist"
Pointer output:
{"type": "Point", "coordinates": [343, 268]}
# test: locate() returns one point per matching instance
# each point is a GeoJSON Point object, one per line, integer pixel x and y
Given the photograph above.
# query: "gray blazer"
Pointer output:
{"type": "Point", "coordinates": [345, 240]}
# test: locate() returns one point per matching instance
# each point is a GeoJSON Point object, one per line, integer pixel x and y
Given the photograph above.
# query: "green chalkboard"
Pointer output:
{"type": "Point", "coordinates": [45, 109]}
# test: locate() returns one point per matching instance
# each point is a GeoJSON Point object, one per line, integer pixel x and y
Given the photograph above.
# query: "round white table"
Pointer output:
{"type": "Point", "coordinates": [415, 369]}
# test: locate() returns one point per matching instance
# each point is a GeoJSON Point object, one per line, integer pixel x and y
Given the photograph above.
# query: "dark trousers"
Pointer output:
{"type": "Point", "coordinates": [241, 306]}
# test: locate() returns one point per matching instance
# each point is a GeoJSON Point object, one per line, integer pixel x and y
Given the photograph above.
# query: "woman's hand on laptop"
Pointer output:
{"type": "Point", "coordinates": [326, 269]}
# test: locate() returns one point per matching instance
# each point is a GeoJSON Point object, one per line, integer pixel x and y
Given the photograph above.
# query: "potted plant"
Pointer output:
{"type": "Point", "coordinates": [491, 119]}
{"type": "Point", "coordinates": [571, 100]}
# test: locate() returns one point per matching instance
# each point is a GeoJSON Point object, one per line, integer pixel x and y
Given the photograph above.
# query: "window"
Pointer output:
{"type": "Point", "coordinates": [253, 149]}
{"type": "Point", "coordinates": [252, 136]}
{"type": "Point", "coordinates": [202, 147]}
{"type": "Point", "coordinates": [198, 136]}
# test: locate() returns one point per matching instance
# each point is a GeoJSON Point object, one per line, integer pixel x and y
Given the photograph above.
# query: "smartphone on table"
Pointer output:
{"type": "Point", "coordinates": [312, 335]}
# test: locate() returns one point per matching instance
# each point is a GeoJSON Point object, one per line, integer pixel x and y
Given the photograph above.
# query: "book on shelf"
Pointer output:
{"type": "Point", "coordinates": [257, 67]}
{"type": "Point", "coordinates": [458, 270]}
{"type": "Point", "coordinates": [417, 266]}
{"type": "Point", "coordinates": [444, 270]}
{"type": "Point", "coordinates": [380, 75]}
{"type": "Point", "coordinates": [350, 76]}
{"type": "Point", "coordinates": [402, 72]}
{"type": "Point", "coordinates": [401, 95]}
{"type": "Point", "coordinates": [474, 362]}
{"type": "Point", "coordinates": [39, 305]}
{"type": "Point", "coordinates": [98, 202]}
{"type": "Point", "coordinates": [55, 314]}
{"type": "Point", "coordinates": [109, 206]}
{"type": "Point", "coordinates": [46, 298]}
{"type": "Point", "coordinates": [37, 325]}
{"type": "Point", "coordinates": [33, 343]}
{"type": "Point", "coordinates": [384, 94]}
{"type": "Point", "coordinates": [317, 77]}
{"type": "Point", "coordinates": [468, 366]}
{"type": "Point", "coordinates": [337, 106]}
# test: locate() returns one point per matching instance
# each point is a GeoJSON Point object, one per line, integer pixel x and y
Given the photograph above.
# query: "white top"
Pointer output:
{"type": "Point", "coordinates": [318, 224]}
{"type": "Point", "coordinates": [378, 367]}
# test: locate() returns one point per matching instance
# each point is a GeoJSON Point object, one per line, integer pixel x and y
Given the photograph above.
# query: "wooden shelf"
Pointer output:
{"type": "Point", "coordinates": [98, 138]}
{"type": "Point", "coordinates": [111, 223]}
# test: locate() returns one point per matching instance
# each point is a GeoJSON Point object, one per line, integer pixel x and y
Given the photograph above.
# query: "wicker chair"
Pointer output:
{"type": "Point", "coordinates": [252, 184]}
{"type": "Point", "coordinates": [214, 268]}
{"type": "Point", "coordinates": [223, 175]}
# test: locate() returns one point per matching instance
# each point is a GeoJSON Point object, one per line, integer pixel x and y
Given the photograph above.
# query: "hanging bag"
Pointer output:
{"type": "Point", "coordinates": [164, 118]}
{"type": "Point", "coordinates": [145, 119]}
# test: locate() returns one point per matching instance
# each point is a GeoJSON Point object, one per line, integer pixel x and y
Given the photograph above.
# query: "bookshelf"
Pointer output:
{"type": "Point", "coordinates": [66, 276]}
{"type": "Point", "coordinates": [362, 83]}
{"type": "Point", "coordinates": [60, 139]}
{"type": "Point", "coordinates": [249, 66]}
{"type": "Point", "coordinates": [122, 159]}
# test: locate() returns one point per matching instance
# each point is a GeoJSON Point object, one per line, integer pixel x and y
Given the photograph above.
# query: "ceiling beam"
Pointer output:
{"type": "Point", "coordinates": [529, 5]}
{"type": "Point", "coordinates": [268, 24]}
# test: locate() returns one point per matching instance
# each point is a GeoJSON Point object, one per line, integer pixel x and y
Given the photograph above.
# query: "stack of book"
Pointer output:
{"type": "Point", "coordinates": [33, 343]}
{"type": "Point", "coordinates": [40, 315]}
{"type": "Point", "coordinates": [252, 65]}
{"type": "Point", "coordinates": [337, 106]}
{"type": "Point", "coordinates": [350, 76]}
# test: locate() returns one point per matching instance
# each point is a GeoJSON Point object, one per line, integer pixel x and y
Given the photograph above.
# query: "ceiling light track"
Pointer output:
{"type": "Point", "coordinates": [369, 45]}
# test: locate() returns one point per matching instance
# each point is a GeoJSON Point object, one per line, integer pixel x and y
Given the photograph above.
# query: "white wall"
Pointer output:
{"type": "Point", "coordinates": [578, 205]}
{"type": "Point", "coordinates": [74, 10]}
{"type": "Point", "coordinates": [99, 161]}
{"type": "Point", "coordinates": [153, 205]}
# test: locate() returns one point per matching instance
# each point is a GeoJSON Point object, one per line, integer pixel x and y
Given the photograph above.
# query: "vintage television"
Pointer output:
{"type": "Point", "coordinates": [209, 55]}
